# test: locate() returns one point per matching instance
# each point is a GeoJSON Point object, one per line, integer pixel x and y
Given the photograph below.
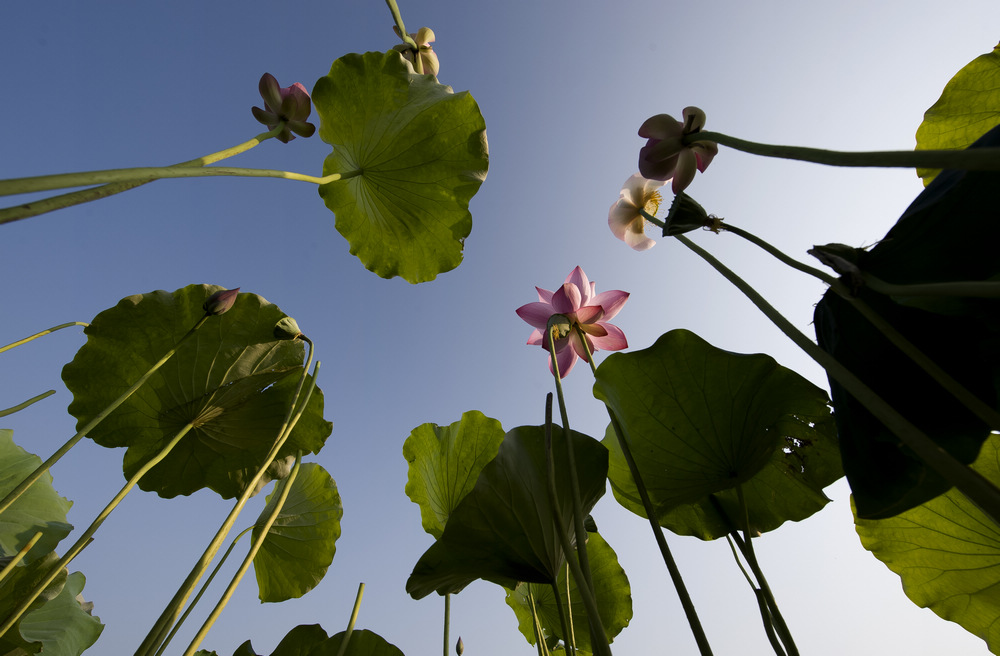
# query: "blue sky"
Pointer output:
{"type": "Point", "coordinates": [563, 87]}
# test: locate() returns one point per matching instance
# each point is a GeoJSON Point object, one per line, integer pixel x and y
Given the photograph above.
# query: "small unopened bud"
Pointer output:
{"type": "Point", "coordinates": [220, 301]}
{"type": "Point", "coordinates": [459, 647]}
{"type": "Point", "coordinates": [287, 328]}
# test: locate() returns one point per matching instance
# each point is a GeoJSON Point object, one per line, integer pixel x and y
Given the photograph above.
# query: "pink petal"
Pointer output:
{"type": "Point", "coordinates": [704, 152]}
{"type": "Point", "coordinates": [589, 314]}
{"type": "Point", "coordinates": [611, 301]}
{"type": "Point", "coordinates": [661, 126]}
{"type": "Point", "coordinates": [567, 299]}
{"type": "Point", "coordinates": [684, 175]}
{"type": "Point", "coordinates": [535, 338]}
{"type": "Point", "coordinates": [613, 341]}
{"type": "Point", "coordinates": [594, 329]}
{"type": "Point", "coordinates": [565, 359]}
{"type": "Point", "coordinates": [578, 278]}
{"type": "Point", "coordinates": [578, 347]}
{"type": "Point", "coordinates": [536, 314]}
{"type": "Point", "coordinates": [544, 295]}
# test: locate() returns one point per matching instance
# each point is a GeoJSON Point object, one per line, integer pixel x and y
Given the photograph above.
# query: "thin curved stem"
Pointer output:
{"type": "Point", "coordinates": [581, 568]}
{"type": "Point", "coordinates": [19, 556]}
{"type": "Point", "coordinates": [150, 173]}
{"type": "Point", "coordinates": [977, 159]}
{"type": "Point", "coordinates": [969, 289]}
{"type": "Point", "coordinates": [351, 622]}
{"type": "Point", "coordinates": [543, 649]}
{"type": "Point", "coordinates": [398, 18]}
{"type": "Point", "coordinates": [202, 590]}
{"type": "Point", "coordinates": [279, 503]}
{"type": "Point", "coordinates": [64, 449]}
{"type": "Point", "coordinates": [88, 534]}
{"type": "Point", "coordinates": [982, 410]}
{"type": "Point", "coordinates": [668, 559]}
{"type": "Point", "coordinates": [973, 485]}
{"type": "Point", "coordinates": [778, 621]}
{"type": "Point", "coordinates": [21, 406]}
{"type": "Point", "coordinates": [170, 614]}
{"type": "Point", "coordinates": [42, 334]}
{"type": "Point", "coordinates": [570, 647]}
{"type": "Point", "coordinates": [45, 205]}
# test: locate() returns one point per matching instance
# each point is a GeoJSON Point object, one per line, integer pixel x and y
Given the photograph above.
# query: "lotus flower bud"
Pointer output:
{"type": "Point", "coordinates": [220, 301]}
{"type": "Point", "coordinates": [287, 328]}
{"type": "Point", "coordinates": [459, 647]}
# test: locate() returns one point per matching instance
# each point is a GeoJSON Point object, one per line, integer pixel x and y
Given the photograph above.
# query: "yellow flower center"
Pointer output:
{"type": "Point", "coordinates": [653, 201]}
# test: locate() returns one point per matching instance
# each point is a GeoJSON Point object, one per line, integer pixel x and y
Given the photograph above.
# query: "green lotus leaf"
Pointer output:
{"type": "Point", "coordinates": [232, 379]}
{"type": "Point", "coordinates": [311, 640]}
{"type": "Point", "coordinates": [419, 154]}
{"type": "Point", "coordinates": [504, 529]}
{"type": "Point", "coordinates": [15, 588]}
{"type": "Point", "coordinates": [968, 108]}
{"type": "Point", "coordinates": [363, 643]}
{"type": "Point", "coordinates": [701, 421]}
{"type": "Point", "coordinates": [302, 541]}
{"type": "Point", "coordinates": [64, 625]}
{"type": "Point", "coordinates": [611, 588]}
{"type": "Point", "coordinates": [39, 508]}
{"type": "Point", "coordinates": [947, 553]}
{"type": "Point", "coordinates": [444, 463]}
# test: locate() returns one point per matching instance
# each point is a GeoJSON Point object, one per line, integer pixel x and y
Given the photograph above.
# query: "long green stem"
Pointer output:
{"type": "Point", "coordinates": [972, 289]}
{"type": "Point", "coordinates": [668, 559]}
{"type": "Point", "coordinates": [42, 334]}
{"type": "Point", "coordinates": [45, 205]}
{"type": "Point", "coordinates": [543, 649]}
{"type": "Point", "coordinates": [447, 621]}
{"type": "Point", "coordinates": [772, 605]}
{"type": "Point", "coordinates": [202, 590]}
{"type": "Point", "coordinates": [21, 406]}
{"type": "Point", "coordinates": [85, 539]}
{"type": "Point", "coordinates": [398, 18]}
{"type": "Point", "coordinates": [581, 569]}
{"type": "Point", "coordinates": [982, 410]}
{"type": "Point", "coordinates": [351, 622]}
{"type": "Point", "coordinates": [19, 556]}
{"type": "Point", "coordinates": [286, 486]}
{"type": "Point", "coordinates": [570, 647]}
{"type": "Point", "coordinates": [978, 489]}
{"type": "Point", "coordinates": [150, 173]}
{"type": "Point", "coordinates": [64, 449]}
{"type": "Point", "coordinates": [169, 615]}
{"type": "Point", "coordinates": [979, 159]}
{"type": "Point", "coordinates": [578, 527]}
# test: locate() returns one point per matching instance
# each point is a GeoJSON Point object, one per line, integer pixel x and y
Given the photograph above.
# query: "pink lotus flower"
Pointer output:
{"type": "Point", "coordinates": [665, 156]}
{"type": "Point", "coordinates": [587, 312]}
{"type": "Point", "coordinates": [428, 58]}
{"type": "Point", "coordinates": [625, 218]}
{"type": "Point", "coordinates": [290, 104]}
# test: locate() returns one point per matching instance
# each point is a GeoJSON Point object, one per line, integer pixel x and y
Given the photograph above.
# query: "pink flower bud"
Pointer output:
{"type": "Point", "coordinates": [220, 301]}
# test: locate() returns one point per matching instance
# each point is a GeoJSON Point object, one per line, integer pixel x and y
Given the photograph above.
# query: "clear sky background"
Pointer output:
{"type": "Point", "coordinates": [563, 87]}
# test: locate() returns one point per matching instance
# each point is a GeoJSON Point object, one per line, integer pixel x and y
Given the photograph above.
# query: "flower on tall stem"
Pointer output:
{"type": "Point", "coordinates": [588, 313]}
{"type": "Point", "coordinates": [625, 217]}
{"type": "Point", "coordinates": [289, 104]}
{"type": "Point", "coordinates": [428, 58]}
{"type": "Point", "coordinates": [665, 155]}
